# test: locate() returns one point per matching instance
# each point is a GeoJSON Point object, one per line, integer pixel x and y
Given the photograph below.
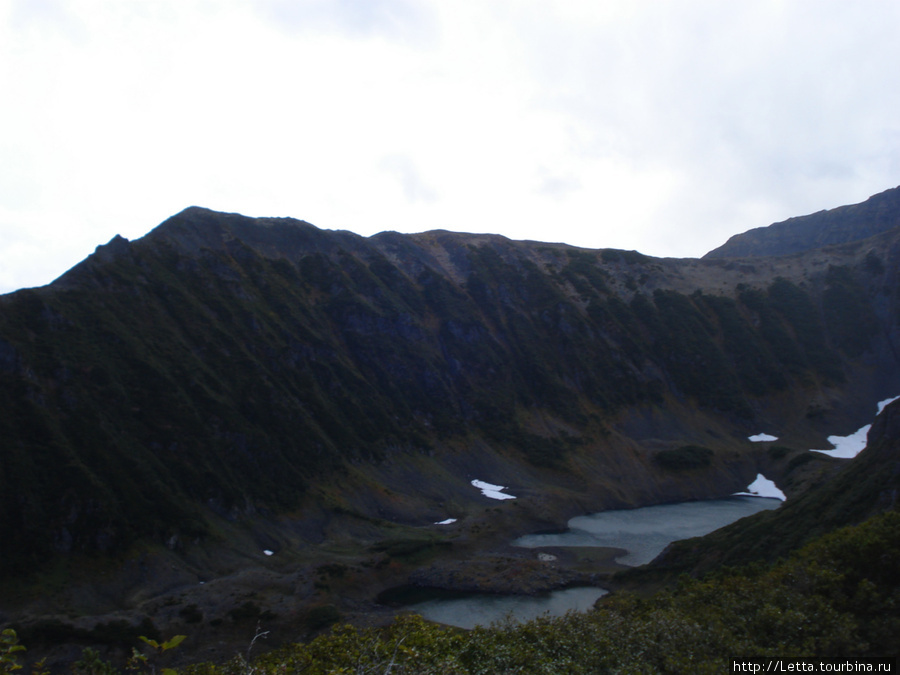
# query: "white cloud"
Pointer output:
{"type": "Point", "coordinates": [664, 127]}
{"type": "Point", "coordinates": [391, 19]}
{"type": "Point", "coordinates": [402, 169]}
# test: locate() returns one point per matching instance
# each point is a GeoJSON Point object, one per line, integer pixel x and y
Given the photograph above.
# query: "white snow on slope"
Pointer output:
{"type": "Point", "coordinates": [446, 522]}
{"type": "Point", "coordinates": [846, 447]}
{"type": "Point", "coordinates": [762, 437]}
{"type": "Point", "coordinates": [492, 491]}
{"type": "Point", "coordinates": [762, 487]}
{"type": "Point", "coordinates": [885, 403]}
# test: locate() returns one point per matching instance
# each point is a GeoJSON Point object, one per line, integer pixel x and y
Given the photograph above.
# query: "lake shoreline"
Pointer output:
{"type": "Point", "coordinates": [514, 570]}
{"type": "Point", "coordinates": [527, 576]}
{"type": "Point", "coordinates": [297, 594]}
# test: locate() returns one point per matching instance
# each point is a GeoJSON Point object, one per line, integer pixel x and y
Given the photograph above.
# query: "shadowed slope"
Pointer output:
{"type": "Point", "coordinates": [222, 365]}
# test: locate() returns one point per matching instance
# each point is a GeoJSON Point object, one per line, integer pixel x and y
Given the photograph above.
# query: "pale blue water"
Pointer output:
{"type": "Point", "coordinates": [645, 532]}
{"type": "Point", "coordinates": [487, 609]}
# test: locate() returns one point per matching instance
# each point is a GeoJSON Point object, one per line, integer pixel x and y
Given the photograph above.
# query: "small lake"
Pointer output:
{"type": "Point", "coordinates": [642, 532]}
{"type": "Point", "coordinates": [646, 531]}
{"type": "Point", "coordinates": [482, 609]}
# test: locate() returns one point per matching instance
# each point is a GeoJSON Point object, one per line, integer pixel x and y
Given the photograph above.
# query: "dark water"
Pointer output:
{"type": "Point", "coordinates": [645, 532]}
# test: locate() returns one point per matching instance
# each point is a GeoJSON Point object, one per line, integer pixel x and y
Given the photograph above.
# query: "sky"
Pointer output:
{"type": "Point", "coordinates": [664, 126]}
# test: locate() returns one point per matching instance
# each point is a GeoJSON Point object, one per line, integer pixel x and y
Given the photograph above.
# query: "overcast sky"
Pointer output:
{"type": "Point", "coordinates": [662, 126]}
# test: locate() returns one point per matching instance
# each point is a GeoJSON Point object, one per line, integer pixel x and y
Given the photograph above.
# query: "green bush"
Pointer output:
{"type": "Point", "coordinates": [683, 458]}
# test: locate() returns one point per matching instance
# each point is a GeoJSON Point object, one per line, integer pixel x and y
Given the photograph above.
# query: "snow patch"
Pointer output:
{"type": "Point", "coordinates": [762, 487]}
{"type": "Point", "coordinates": [847, 447]}
{"type": "Point", "coordinates": [885, 403]}
{"type": "Point", "coordinates": [268, 552]}
{"type": "Point", "coordinates": [492, 491]}
{"type": "Point", "coordinates": [446, 522]}
{"type": "Point", "coordinates": [762, 437]}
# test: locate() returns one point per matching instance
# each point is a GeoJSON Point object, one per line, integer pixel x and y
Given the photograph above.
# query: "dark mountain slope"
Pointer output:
{"type": "Point", "coordinates": [825, 228]}
{"type": "Point", "coordinates": [225, 367]}
{"type": "Point", "coordinates": [869, 484]}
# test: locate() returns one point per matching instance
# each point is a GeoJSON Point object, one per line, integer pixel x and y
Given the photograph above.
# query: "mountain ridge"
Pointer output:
{"type": "Point", "coordinates": [227, 384]}
{"type": "Point", "coordinates": [459, 306]}
{"type": "Point", "coordinates": [877, 214]}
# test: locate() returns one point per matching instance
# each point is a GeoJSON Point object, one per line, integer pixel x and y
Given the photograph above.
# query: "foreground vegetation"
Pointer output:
{"type": "Point", "coordinates": [836, 597]}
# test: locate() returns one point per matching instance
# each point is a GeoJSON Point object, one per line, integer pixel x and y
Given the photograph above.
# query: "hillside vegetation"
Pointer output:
{"type": "Point", "coordinates": [222, 365]}
{"type": "Point", "coordinates": [838, 597]}
{"type": "Point", "coordinates": [235, 421]}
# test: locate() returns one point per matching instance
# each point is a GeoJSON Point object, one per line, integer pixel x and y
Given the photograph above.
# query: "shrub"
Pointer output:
{"type": "Point", "coordinates": [685, 457]}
